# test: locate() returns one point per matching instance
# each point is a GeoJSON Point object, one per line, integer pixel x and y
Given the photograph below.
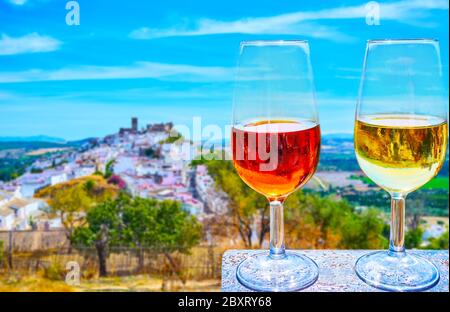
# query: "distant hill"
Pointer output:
{"type": "Point", "coordinates": [33, 145]}
{"type": "Point", "coordinates": [38, 142]}
{"type": "Point", "coordinates": [80, 142]}
{"type": "Point", "coordinates": [36, 138]}
{"type": "Point", "coordinates": [339, 136]}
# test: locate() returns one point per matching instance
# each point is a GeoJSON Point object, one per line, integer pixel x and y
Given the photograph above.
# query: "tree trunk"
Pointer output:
{"type": "Point", "coordinates": [265, 226]}
{"type": "Point", "coordinates": [249, 238]}
{"type": "Point", "coordinates": [10, 250]}
{"type": "Point", "coordinates": [101, 245]}
{"type": "Point", "coordinates": [141, 260]}
{"type": "Point", "coordinates": [102, 255]}
{"type": "Point", "coordinates": [245, 231]}
{"type": "Point", "coordinates": [211, 260]}
{"type": "Point", "coordinates": [69, 230]}
{"type": "Point", "coordinates": [242, 226]}
{"type": "Point", "coordinates": [174, 267]}
{"type": "Point", "coordinates": [242, 234]}
{"type": "Point", "coordinates": [69, 239]}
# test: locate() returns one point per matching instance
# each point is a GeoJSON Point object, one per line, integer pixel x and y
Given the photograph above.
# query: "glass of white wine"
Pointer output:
{"type": "Point", "coordinates": [400, 143]}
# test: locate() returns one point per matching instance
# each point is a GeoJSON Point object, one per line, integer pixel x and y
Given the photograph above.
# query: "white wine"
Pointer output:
{"type": "Point", "coordinates": [400, 152]}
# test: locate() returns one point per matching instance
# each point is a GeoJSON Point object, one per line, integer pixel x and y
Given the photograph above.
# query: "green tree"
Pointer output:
{"type": "Point", "coordinates": [71, 201]}
{"type": "Point", "coordinates": [139, 223]}
{"type": "Point", "coordinates": [163, 225]}
{"type": "Point", "coordinates": [440, 242]}
{"type": "Point", "coordinates": [36, 170]}
{"type": "Point", "coordinates": [175, 137]}
{"type": "Point", "coordinates": [109, 168]}
{"type": "Point", "coordinates": [70, 205]}
{"type": "Point", "coordinates": [32, 223]}
{"type": "Point", "coordinates": [89, 186]}
{"type": "Point", "coordinates": [140, 226]}
{"type": "Point", "coordinates": [413, 237]}
{"type": "Point", "coordinates": [103, 230]}
{"type": "Point", "coordinates": [363, 230]}
{"type": "Point", "coordinates": [313, 221]}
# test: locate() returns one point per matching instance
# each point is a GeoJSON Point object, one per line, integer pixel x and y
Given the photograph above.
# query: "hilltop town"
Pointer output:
{"type": "Point", "coordinates": [150, 165]}
{"type": "Point", "coordinates": [143, 158]}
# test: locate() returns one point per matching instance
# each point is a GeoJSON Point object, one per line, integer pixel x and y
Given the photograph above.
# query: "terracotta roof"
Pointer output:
{"type": "Point", "coordinates": [5, 211]}
{"type": "Point", "coordinates": [17, 203]}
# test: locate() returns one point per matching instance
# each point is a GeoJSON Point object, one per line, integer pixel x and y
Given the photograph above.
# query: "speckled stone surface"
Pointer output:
{"type": "Point", "coordinates": [336, 269]}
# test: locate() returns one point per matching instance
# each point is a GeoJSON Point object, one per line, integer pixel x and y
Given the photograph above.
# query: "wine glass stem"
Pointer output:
{"type": "Point", "coordinates": [397, 237]}
{"type": "Point", "coordinates": [276, 230]}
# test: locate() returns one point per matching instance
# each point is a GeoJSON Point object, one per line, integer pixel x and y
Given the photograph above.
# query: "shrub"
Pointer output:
{"type": "Point", "coordinates": [89, 273]}
{"type": "Point", "coordinates": [12, 278]}
{"type": "Point", "coordinates": [54, 272]}
{"type": "Point", "coordinates": [36, 170]}
{"type": "Point", "coordinates": [118, 181]}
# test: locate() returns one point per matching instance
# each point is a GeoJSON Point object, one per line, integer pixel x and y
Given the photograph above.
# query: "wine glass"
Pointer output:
{"type": "Point", "coordinates": [276, 143]}
{"type": "Point", "coordinates": [400, 143]}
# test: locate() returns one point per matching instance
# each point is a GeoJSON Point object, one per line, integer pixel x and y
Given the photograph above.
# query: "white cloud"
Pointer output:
{"type": "Point", "coordinates": [252, 26]}
{"type": "Point", "coordinates": [30, 43]}
{"type": "Point", "coordinates": [271, 25]}
{"type": "Point", "coordinates": [18, 2]}
{"type": "Point", "coordinates": [162, 71]}
{"type": "Point", "coordinates": [299, 23]}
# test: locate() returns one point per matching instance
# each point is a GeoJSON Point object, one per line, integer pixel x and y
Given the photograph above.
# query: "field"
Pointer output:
{"type": "Point", "coordinates": [15, 282]}
{"type": "Point", "coordinates": [140, 283]}
{"type": "Point", "coordinates": [437, 183]}
{"type": "Point", "coordinates": [44, 151]}
{"type": "Point", "coordinates": [432, 221]}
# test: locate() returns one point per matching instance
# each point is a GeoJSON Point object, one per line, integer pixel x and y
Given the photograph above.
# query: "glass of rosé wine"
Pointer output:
{"type": "Point", "coordinates": [275, 145]}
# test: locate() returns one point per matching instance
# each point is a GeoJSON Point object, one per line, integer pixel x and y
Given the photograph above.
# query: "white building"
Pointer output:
{"type": "Point", "coordinates": [215, 200]}
{"type": "Point", "coordinates": [28, 189]}
{"type": "Point", "coordinates": [84, 171]}
{"type": "Point", "coordinates": [145, 169]}
{"type": "Point", "coordinates": [6, 219]}
{"type": "Point", "coordinates": [17, 212]}
{"type": "Point", "coordinates": [60, 178]}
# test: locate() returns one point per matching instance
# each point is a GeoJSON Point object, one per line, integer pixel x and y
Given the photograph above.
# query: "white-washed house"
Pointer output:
{"type": "Point", "coordinates": [6, 218]}
{"type": "Point", "coordinates": [59, 178]}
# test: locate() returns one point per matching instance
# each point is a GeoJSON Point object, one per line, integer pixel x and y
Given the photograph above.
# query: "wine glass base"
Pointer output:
{"type": "Point", "coordinates": [289, 273]}
{"type": "Point", "coordinates": [396, 271]}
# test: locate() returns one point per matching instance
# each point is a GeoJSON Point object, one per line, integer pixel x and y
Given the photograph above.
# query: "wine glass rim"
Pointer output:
{"type": "Point", "coordinates": [273, 42]}
{"type": "Point", "coordinates": [402, 41]}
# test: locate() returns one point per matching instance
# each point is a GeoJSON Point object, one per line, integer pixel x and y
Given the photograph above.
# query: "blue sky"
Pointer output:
{"type": "Point", "coordinates": [172, 60]}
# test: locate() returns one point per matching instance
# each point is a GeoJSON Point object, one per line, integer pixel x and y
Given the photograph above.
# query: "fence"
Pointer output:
{"type": "Point", "coordinates": [32, 251]}
{"type": "Point", "coordinates": [30, 241]}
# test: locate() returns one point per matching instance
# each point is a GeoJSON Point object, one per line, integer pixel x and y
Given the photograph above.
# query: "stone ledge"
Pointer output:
{"type": "Point", "coordinates": [336, 270]}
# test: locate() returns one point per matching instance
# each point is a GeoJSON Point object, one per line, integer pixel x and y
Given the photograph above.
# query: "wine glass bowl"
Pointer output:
{"type": "Point", "coordinates": [400, 139]}
{"type": "Point", "coordinates": [276, 144]}
{"type": "Point", "coordinates": [410, 148]}
{"type": "Point", "coordinates": [293, 161]}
